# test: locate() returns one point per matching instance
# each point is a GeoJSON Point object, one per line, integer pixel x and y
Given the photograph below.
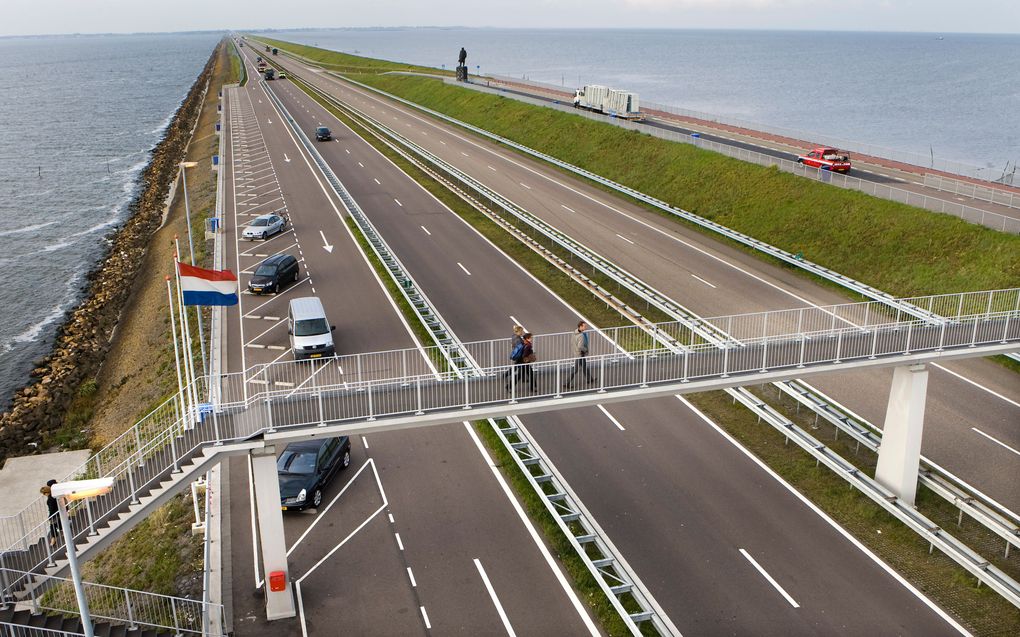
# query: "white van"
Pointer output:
{"type": "Point", "coordinates": [310, 333]}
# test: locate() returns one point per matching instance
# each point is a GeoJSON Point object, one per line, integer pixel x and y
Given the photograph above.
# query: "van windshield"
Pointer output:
{"type": "Point", "coordinates": [310, 327]}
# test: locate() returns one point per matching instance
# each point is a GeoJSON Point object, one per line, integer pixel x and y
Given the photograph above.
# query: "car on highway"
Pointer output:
{"type": "Point", "coordinates": [281, 76]}
{"type": "Point", "coordinates": [264, 226]}
{"type": "Point", "coordinates": [273, 273]}
{"type": "Point", "coordinates": [306, 468]}
{"type": "Point", "coordinates": [323, 134]}
{"type": "Point", "coordinates": [826, 159]}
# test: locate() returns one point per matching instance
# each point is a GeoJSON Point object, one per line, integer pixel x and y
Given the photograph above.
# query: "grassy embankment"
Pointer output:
{"type": "Point", "coordinates": [980, 609]}
{"type": "Point", "coordinates": [344, 62]}
{"type": "Point", "coordinates": [159, 555]}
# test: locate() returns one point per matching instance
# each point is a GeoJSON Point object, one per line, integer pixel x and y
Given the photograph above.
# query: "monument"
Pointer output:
{"type": "Point", "coordinates": [462, 71]}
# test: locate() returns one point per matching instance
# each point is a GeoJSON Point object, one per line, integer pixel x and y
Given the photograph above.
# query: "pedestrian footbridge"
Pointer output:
{"type": "Point", "coordinates": [251, 411]}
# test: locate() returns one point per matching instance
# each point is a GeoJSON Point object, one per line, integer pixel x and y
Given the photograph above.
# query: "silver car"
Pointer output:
{"type": "Point", "coordinates": [264, 226]}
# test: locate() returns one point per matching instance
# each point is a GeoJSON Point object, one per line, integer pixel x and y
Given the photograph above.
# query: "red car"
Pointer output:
{"type": "Point", "coordinates": [826, 159]}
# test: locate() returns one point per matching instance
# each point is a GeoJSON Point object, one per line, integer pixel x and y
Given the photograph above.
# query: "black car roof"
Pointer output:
{"type": "Point", "coordinates": [276, 259]}
{"type": "Point", "coordinates": [322, 128]}
{"type": "Point", "coordinates": [302, 445]}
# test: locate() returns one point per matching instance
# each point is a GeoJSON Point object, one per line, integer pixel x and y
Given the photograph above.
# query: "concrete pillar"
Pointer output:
{"type": "Point", "coordinates": [279, 604]}
{"type": "Point", "coordinates": [899, 456]}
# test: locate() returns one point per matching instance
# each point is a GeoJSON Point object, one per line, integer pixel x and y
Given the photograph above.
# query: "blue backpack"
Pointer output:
{"type": "Point", "coordinates": [518, 352]}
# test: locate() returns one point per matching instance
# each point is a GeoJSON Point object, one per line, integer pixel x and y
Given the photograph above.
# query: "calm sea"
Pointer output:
{"type": "Point", "coordinates": [957, 97]}
{"type": "Point", "coordinates": [78, 118]}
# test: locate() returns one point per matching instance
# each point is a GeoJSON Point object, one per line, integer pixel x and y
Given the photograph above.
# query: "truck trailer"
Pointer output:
{"type": "Point", "coordinates": [612, 102]}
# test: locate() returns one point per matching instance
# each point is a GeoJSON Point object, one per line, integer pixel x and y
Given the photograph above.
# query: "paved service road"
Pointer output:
{"type": "Point", "coordinates": [980, 445]}
{"type": "Point", "coordinates": [427, 512]}
{"type": "Point", "coordinates": [647, 484]}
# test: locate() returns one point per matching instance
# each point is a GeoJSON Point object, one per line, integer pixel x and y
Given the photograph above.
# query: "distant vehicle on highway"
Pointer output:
{"type": "Point", "coordinates": [827, 159]}
{"type": "Point", "coordinates": [273, 273]}
{"type": "Point", "coordinates": [311, 335]}
{"type": "Point", "coordinates": [612, 102]}
{"type": "Point", "coordinates": [275, 51]}
{"type": "Point", "coordinates": [264, 226]}
{"type": "Point", "coordinates": [282, 76]}
{"type": "Point", "coordinates": [323, 134]}
{"type": "Point", "coordinates": [270, 74]}
{"type": "Point", "coordinates": [258, 58]}
{"type": "Point", "coordinates": [306, 468]}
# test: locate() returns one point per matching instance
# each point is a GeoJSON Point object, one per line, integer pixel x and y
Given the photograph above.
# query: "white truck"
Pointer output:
{"type": "Point", "coordinates": [612, 102]}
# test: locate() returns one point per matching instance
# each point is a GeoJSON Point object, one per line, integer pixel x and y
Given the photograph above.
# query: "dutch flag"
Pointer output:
{"type": "Point", "coordinates": [207, 287]}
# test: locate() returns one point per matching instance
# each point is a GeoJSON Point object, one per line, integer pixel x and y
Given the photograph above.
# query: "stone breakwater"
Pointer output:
{"type": "Point", "coordinates": [82, 342]}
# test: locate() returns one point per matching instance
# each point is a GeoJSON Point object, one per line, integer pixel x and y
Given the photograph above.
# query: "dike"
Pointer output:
{"type": "Point", "coordinates": [82, 342]}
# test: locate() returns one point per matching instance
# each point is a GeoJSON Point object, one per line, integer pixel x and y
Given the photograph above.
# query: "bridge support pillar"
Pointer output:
{"type": "Point", "coordinates": [279, 603]}
{"type": "Point", "coordinates": [899, 456]}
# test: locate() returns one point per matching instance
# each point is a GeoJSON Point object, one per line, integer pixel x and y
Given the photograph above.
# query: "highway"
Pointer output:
{"type": "Point", "coordinates": [723, 545]}
{"type": "Point", "coordinates": [870, 172]}
{"type": "Point", "coordinates": [712, 279]}
{"type": "Point", "coordinates": [424, 511]}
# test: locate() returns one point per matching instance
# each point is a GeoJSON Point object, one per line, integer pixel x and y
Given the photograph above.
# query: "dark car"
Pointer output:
{"type": "Point", "coordinates": [323, 134]}
{"type": "Point", "coordinates": [273, 273]}
{"type": "Point", "coordinates": [305, 468]}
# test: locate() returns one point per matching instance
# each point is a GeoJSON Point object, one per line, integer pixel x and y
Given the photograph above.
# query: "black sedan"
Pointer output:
{"type": "Point", "coordinates": [306, 467]}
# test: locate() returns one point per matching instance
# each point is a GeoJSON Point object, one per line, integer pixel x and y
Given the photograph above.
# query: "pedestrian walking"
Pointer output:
{"type": "Point", "coordinates": [528, 356]}
{"type": "Point", "coordinates": [51, 504]}
{"type": "Point", "coordinates": [515, 341]}
{"type": "Point", "coordinates": [580, 354]}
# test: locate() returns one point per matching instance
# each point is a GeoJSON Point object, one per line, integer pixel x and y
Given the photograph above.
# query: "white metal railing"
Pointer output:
{"type": "Point", "coordinates": [400, 382]}
{"type": "Point", "coordinates": [112, 604]}
{"type": "Point", "coordinates": [990, 194]}
{"type": "Point", "coordinates": [908, 157]}
{"type": "Point", "coordinates": [974, 215]}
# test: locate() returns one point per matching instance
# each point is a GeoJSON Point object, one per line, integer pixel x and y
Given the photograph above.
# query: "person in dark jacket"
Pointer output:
{"type": "Point", "coordinates": [51, 505]}
{"type": "Point", "coordinates": [515, 340]}
{"type": "Point", "coordinates": [580, 354]}
{"type": "Point", "coordinates": [528, 357]}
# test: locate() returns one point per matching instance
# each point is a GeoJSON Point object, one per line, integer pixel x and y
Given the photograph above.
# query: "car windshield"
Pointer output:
{"type": "Point", "coordinates": [260, 222]}
{"type": "Point", "coordinates": [310, 327]}
{"type": "Point", "coordinates": [266, 270]}
{"type": "Point", "coordinates": [302, 462]}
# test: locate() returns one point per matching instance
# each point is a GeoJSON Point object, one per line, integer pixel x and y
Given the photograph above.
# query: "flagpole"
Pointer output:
{"type": "Point", "coordinates": [191, 248]}
{"type": "Point", "coordinates": [186, 332]}
{"type": "Point", "coordinates": [177, 355]}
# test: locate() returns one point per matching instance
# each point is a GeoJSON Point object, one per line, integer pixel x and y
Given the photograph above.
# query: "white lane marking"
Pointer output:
{"type": "Point", "coordinates": [765, 574]}
{"type": "Point", "coordinates": [390, 516]}
{"type": "Point", "coordinates": [398, 203]}
{"type": "Point", "coordinates": [703, 280]}
{"type": "Point", "coordinates": [301, 610]}
{"type": "Point", "coordinates": [491, 168]}
{"type": "Point", "coordinates": [364, 441]}
{"type": "Point", "coordinates": [252, 517]}
{"type": "Point", "coordinates": [567, 588]}
{"type": "Point", "coordinates": [465, 154]}
{"type": "Point", "coordinates": [400, 544]}
{"type": "Point", "coordinates": [376, 181]}
{"type": "Point", "coordinates": [348, 150]}
{"type": "Point", "coordinates": [426, 231]}
{"type": "Point", "coordinates": [974, 383]}
{"type": "Point", "coordinates": [276, 347]}
{"type": "Point", "coordinates": [567, 209]}
{"type": "Point", "coordinates": [425, 616]}
{"type": "Point", "coordinates": [361, 164]}
{"type": "Point", "coordinates": [516, 322]}
{"type": "Point", "coordinates": [495, 600]}
{"type": "Point", "coordinates": [625, 238]}
{"type": "Point", "coordinates": [325, 244]}
{"type": "Point", "coordinates": [410, 576]}
{"type": "Point", "coordinates": [999, 442]}
{"type": "Point", "coordinates": [822, 514]}
{"type": "Point", "coordinates": [463, 268]}
{"type": "Point", "coordinates": [525, 185]}
{"type": "Point", "coordinates": [610, 417]}
{"type": "Point", "coordinates": [442, 142]}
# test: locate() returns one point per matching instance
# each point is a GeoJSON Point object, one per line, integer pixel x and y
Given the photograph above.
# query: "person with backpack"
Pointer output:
{"type": "Point", "coordinates": [580, 353]}
{"type": "Point", "coordinates": [515, 340]}
{"type": "Point", "coordinates": [527, 357]}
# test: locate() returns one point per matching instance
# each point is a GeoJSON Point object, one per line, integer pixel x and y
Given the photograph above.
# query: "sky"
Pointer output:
{"type": "Point", "coordinates": [34, 17]}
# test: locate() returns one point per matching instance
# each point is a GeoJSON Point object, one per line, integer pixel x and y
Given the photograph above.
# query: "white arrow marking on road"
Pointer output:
{"type": "Point", "coordinates": [285, 158]}
{"type": "Point", "coordinates": [326, 245]}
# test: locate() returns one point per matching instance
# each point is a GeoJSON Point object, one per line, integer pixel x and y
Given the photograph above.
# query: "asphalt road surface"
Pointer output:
{"type": "Point", "coordinates": [724, 552]}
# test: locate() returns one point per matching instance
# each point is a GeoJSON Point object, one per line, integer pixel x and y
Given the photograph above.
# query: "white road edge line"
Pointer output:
{"type": "Point", "coordinates": [610, 417]}
{"type": "Point", "coordinates": [825, 516]}
{"type": "Point", "coordinates": [772, 581]}
{"type": "Point", "coordinates": [410, 576]}
{"type": "Point", "coordinates": [567, 588]}
{"type": "Point", "coordinates": [625, 238]}
{"type": "Point", "coordinates": [426, 231]}
{"type": "Point", "coordinates": [976, 384]}
{"type": "Point", "coordinates": [400, 545]}
{"type": "Point", "coordinates": [425, 616]}
{"type": "Point", "coordinates": [999, 442]}
{"type": "Point", "coordinates": [495, 600]}
{"type": "Point", "coordinates": [463, 268]}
